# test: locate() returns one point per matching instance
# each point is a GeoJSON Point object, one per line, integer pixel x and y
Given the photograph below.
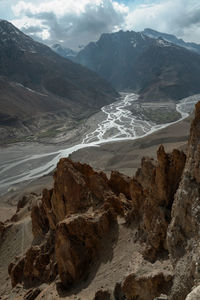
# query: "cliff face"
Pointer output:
{"type": "Point", "coordinates": [153, 197]}
{"type": "Point", "coordinates": [157, 210]}
{"type": "Point", "coordinates": [183, 232]}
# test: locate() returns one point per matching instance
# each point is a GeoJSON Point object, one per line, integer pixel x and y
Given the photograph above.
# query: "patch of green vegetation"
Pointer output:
{"type": "Point", "coordinates": [161, 116]}
{"type": "Point", "coordinates": [52, 132]}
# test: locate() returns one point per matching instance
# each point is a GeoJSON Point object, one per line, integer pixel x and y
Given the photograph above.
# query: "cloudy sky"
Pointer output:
{"type": "Point", "coordinates": [77, 22]}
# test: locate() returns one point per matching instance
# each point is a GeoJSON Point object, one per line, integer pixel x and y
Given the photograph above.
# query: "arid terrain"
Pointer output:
{"type": "Point", "coordinates": [122, 156]}
{"type": "Point", "coordinates": [122, 252]}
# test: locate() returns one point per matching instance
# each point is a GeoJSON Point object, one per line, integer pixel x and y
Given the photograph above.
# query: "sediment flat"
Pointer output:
{"type": "Point", "coordinates": [125, 156]}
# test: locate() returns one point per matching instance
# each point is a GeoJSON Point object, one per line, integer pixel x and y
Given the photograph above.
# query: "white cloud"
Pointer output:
{"type": "Point", "coordinates": [179, 17]}
{"type": "Point", "coordinates": [74, 21]}
{"type": "Point", "coordinates": [58, 7]}
{"type": "Point", "coordinates": [81, 21]}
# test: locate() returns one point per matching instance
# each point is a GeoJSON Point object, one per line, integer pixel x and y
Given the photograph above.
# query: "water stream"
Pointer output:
{"type": "Point", "coordinates": [118, 124]}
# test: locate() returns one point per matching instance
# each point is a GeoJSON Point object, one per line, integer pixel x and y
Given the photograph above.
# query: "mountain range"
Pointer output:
{"type": "Point", "coordinates": [172, 39]}
{"type": "Point", "coordinates": [63, 51]}
{"type": "Point", "coordinates": [154, 68]}
{"type": "Point", "coordinates": [38, 87]}
{"type": "Point", "coordinates": [41, 91]}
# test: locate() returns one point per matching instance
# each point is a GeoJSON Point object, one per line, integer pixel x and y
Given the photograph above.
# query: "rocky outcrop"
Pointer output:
{"type": "Point", "coordinates": [120, 183]}
{"type": "Point", "coordinates": [2, 229]}
{"type": "Point", "coordinates": [40, 223]}
{"type": "Point", "coordinates": [161, 207]}
{"type": "Point", "coordinates": [152, 192]}
{"type": "Point", "coordinates": [183, 232]}
{"type": "Point", "coordinates": [38, 265]}
{"type": "Point", "coordinates": [146, 286]}
{"type": "Point", "coordinates": [70, 221]}
{"type": "Point", "coordinates": [24, 206]}
{"type": "Point", "coordinates": [77, 187]}
{"type": "Point", "coordinates": [79, 211]}
{"type": "Point", "coordinates": [77, 243]}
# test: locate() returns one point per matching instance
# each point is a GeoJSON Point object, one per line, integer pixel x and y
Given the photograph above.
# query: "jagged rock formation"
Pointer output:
{"type": "Point", "coordinates": [63, 213]}
{"type": "Point", "coordinates": [159, 205]}
{"type": "Point", "coordinates": [71, 220]}
{"type": "Point", "coordinates": [152, 192]}
{"type": "Point", "coordinates": [183, 232]}
{"type": "Point", "coordinates": [38, 265]}
{"type": "Point", "coordinates": [77, 243]}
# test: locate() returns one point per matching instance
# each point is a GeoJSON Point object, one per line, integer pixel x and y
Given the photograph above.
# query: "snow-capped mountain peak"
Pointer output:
{"type": "Point", "coordinates": [11, 37]}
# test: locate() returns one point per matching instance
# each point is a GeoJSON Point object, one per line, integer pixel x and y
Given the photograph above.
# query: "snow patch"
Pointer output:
{"type": "Point", "coordinates": [134, 43]}
{"type": "Point", "coordinates": [163, 43]}
{"type": "Point", "coordinates": [30, 90]}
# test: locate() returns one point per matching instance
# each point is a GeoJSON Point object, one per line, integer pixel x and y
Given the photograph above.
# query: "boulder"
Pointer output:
{"type": "Point", "coordinates": [146, 286]}
{"type": "Point", "coordinates": [76, 188]}
{"type": "Point", "coordinates": [78, 240]}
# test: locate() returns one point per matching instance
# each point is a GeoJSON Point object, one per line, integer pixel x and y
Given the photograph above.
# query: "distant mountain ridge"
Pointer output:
{"type": "Point", "coordinates": [64, 52]}
{"type": "Point", "coordinates": [155, 68]}
{"type": "Point", "coordinates": [172, 39]}
{"type": "Point", "coordinates": [31, 70]}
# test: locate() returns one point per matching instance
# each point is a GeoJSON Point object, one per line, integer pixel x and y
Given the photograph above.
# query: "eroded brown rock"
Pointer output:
{"type": "Point", "coordinates": [40, 223]}
{"type": "Point", "coordinates": [152, 192]}
{"type": "Point", "coordinates": [16, 271]}
{"type": "Point", "coordinates": [146, 286]}
{"type": "Point", "coordinates": [120, 183]}
{"type": "Point", "coordinates": [37, 266]}
{"type": "Point", "coordinates": [78, 240]}
{"type": "Point", "coordinates": [76, 188]}
{"type": "Point", "coordinates": [183, 231]}
{"type": "Point", "coordinates": [81, 210]}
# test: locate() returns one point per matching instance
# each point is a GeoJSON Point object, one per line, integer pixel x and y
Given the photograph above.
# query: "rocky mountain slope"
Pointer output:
{"type": "Point", "coordinates": [172, 39]}
{"type": "Point", "coordinates": [118, 238]}
{"type": "Point", "coordinates": [37, 81]}
{"type": "Point", "coordinates": [155, 68]}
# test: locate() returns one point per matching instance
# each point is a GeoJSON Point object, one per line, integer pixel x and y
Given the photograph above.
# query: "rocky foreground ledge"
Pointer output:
{"type": "Point", "coordinates": [117, 238]}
